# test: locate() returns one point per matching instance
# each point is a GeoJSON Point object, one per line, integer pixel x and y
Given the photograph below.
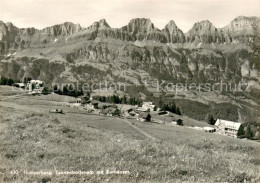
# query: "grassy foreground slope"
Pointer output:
{"type": "Point", "coordinates": [38, 141]}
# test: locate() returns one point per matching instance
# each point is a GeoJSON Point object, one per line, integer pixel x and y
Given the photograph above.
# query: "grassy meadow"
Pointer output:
{"type": "Point", "coordinates": [34, 140]}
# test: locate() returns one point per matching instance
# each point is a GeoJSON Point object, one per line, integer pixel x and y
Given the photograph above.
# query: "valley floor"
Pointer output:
{"type": "Point", "coordinates": [36, 145]}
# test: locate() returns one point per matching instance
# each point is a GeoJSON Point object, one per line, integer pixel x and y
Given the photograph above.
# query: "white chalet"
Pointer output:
{"type": "Point", "coordinates": [228, 128]}
{"type": "Point", "coordinates": [35, 86]}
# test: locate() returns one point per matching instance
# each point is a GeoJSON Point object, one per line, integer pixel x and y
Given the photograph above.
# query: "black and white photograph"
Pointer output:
{"type": "Point", "coordinates": [129, 91]}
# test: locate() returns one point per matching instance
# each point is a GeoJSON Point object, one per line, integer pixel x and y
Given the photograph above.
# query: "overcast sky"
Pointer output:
{"type": "Point", "coordinates": [42, 13]}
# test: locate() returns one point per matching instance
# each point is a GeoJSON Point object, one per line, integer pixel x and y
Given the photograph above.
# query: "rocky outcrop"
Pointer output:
{"type": "Point", "coordinates": [64, 29]}
{"type": "Point", "coordinates": [139, 26]}
{"type": "Point", "coordinates": [143, 29]}
{"type": "Point", "coordinates": [242, 30]}
{"type": "Point", "coordinates": [203, 32]}
{"type": "Point", "coordinates": [8, 32]}
{"type": "Point", "coordinates": [102, 24]}
{"type": "Point", "coordinates": [243, 26]}
{"type": "Point", "coordinates": [173, 33]}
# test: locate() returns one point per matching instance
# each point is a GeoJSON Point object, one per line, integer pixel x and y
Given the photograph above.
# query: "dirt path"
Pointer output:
{"type": "Point", "coordinates": [139, 130]}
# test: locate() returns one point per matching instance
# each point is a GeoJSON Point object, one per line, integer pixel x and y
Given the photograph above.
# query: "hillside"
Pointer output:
{"type": "Point", "coordinates": [139, 53]}
{"type": "Point", "coordinates": [33, 141]}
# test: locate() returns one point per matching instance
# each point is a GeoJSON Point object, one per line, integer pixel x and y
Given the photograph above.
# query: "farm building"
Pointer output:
{"type": "Point", "coordinates": [228, 128]}
{"type": "Point", "coordinates": [126, 109]}
{"type": "Point", "coordinates": [110, 111]}
{"type": "Point", "coordinates": [144, 116]}
{"type": "Point", "coordinates": [20, 85]}
{"type": "Point", "coordinates": [102, 105]}
{"type": "Point", "coordinates": [209, 129]}
{"type": "Point", "coordinates": [140, 109]}
{"type": "Point", "coordinates": [78, 100]}
{"type": "Point", "coordinates": [93, 104]}
{"type": "Point", "coordinates": [148, 106]}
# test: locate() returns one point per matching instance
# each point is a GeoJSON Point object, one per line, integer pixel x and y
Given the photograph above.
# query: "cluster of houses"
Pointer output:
{"type": "Point", "coordinates": [128, 111]}
{"type": "Point", "coordinates": [32, 86]}
{"type": "Point", "coordinates": [224, 127]}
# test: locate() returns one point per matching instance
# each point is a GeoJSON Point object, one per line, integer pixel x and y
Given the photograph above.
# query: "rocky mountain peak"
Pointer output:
{"type": "Point", "coordinates": [171, 28]}
{"type": "Point", "coordinates": [203, 27]}
{"type": "Point", "coordinates": [139, 25]}
{"type": "Point", "coordinates": [101, 24]}
{"type": "Point", "coordinates": [203, 32]}
{"type": "Point", "coordinates": [64, 29]}
{"type": "Point", "coordinates": [174, 34]}
{"type": "Point", "coordinates": [243, 25]}
{"type": "Point", "coordinates": [7, 31]}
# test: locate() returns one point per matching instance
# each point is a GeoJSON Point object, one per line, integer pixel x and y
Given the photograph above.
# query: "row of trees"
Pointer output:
{"type": "Point", "coordinates": [68, 90]}
{"type": "Point", "coordinates": [6, 81]}
{"type": "Point", "coordinates": [171, 107]}
{"type": "Point", "coordinates": [119, 100]}
{"type": "Point", "coordinates": [10, 81]}
{"type": "Point", "coordinates": [245, 131]}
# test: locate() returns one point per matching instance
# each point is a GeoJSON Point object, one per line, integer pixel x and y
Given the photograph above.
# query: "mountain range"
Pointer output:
{"type": "Point", "coordinates": [241, 29]}
{"type": "Point", "coordinates": [139, 51]}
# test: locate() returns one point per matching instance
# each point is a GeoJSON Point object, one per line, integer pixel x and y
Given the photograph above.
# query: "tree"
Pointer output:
{"type": "Point", "coordinates": [65, 90]}
{"type": "Point", "coordinates": [24, 80]}
{"type": "Point", "coordinates": [3, 81]}
{"type": "Point", "coordinates": [249, 132]}
{"type": "Point", "coordinates": [180, 122]}
{"type": "Point", "coordinates": [124, 100]}
{"type": "Point", "coordinates": [178, 111]}
{"type": "Point", "coordinates": [241, 131]}
{"type": "Point", "coordinates": [155, 108]}
{"type": "Point", "coordinates": [45, 91]}
{"type": "Point", "coordinates": [211, 120]}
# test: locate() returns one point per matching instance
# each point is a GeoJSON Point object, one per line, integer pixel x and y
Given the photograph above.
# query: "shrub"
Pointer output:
{"type": "Point", "coordinates": [241, 132]}
{"type": "Point", "coordinates": [210, 119]}
{"type": "Point", "coordinates": [45, 91]}
{"type": "Point", "coordinates": [180, 122]}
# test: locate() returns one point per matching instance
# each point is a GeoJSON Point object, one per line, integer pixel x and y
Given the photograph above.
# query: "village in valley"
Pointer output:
{"type": "Point", "coordinates": [146, 111]}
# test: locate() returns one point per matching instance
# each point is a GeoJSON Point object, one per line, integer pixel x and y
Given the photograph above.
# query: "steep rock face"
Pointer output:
{"type": "Point", "coordinates": [100, 29]}
{"type": "Point", "coordinates": [13, 38]}
{"type": "Point", "coordinates": [137, 29]}
{"type": "Point", "coordinates": [139, 25]}
{"type": "Point", "coordinates": [143, 29]}
{"type": "Point", "coordinates": [203, 32]}
{"type": "Point", "coordinates": [242, 29]}
{"type": "Point", "coordinates": [8, 32]}
{"type": "Point", "coordinates": [102, 24]}
{"type": "Point", "coordinates": [173, 33]}
{"type": "Point", "coordinates": [243, 26]}
{"type": "Point", "coordinates": [64, 29]}
{"type": "Point", "coordinates": [35, 68]}
{"type": "Point", "coordinates": [8, 35]}
{"type": "Point", "coordinates": [28, 31]}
